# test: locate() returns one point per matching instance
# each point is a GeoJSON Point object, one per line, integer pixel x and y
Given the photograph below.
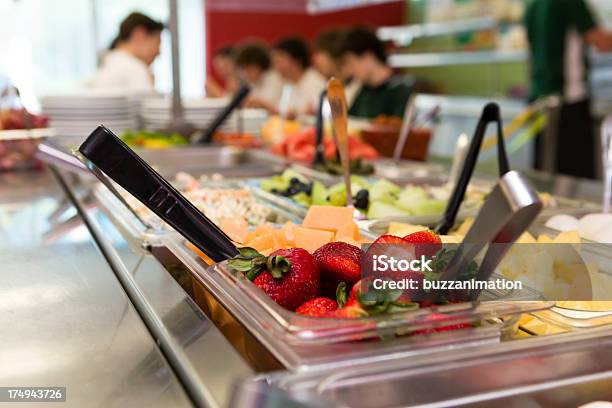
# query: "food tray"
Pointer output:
{"type": "Point", "coordinates": [149, 227]}
{"type": "Point", "coordinates": [304, 341]}
{"type": "Point", "coordinates": [294, 207]}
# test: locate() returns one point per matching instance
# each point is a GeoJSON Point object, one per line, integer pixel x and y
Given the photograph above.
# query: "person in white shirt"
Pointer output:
{"type": "Point", "coordinates": [291, 58]}
{"type": "Point", "coordinates": [253, 64]}
{"type": "Point", "coordinates": [126, 67]}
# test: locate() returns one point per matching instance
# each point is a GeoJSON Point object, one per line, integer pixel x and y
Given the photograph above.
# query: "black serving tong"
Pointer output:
{"type": "Point", "coordinates": [490, 113]}
{"type": "Point", "coordinates": [116, 160]}
{"type": "Point", "coordinates": [319, 157]}
{"type": "Point", "coordinates": [235, 102]}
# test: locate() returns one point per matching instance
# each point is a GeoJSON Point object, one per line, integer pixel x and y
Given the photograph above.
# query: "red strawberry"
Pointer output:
{"type": "Point", "coordinates": [390, 240]}
{"type": "Point", "coordinates": [423, 237]}
{"type": "Point", "coordinates": [438, 329]}
{"type": "Point", "coordinates": [317, 307]}
{"type": "Point", "coordinates": [339, 262]}
{"type": "Point", "coordinates": [290, 277]}
{"type": "Point", "coordinates": [347, 312]}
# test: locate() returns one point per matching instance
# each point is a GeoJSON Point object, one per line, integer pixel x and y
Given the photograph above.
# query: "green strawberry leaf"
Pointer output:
{"type": "Point", "coordinates": [341, 295]}
{"type": "Point", "coordinates": [277, 266]}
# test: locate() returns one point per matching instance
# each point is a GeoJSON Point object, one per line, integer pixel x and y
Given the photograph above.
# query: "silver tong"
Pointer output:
{"type": "Point", "coordinates": [508, 211]}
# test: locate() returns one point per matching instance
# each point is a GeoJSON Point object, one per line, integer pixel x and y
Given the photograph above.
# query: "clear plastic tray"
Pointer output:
{"type": "Point", "coordinates": [540, 371]}
{"type": "Point", "coordinates": [303, 341]}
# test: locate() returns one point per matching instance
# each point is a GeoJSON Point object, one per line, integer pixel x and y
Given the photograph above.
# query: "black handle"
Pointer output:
{"type": "Point", "coordinates": [319, 151]}
{"type": "Point", "coordinates": [490, 113]}
{"type": "Point", "coordinates": [107, 152]}
{"type": "Point", "coordinates": [237, 99]}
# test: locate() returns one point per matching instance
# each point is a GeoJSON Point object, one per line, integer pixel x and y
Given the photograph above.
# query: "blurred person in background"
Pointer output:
{"type": "Point", "coordinates": [126, 66]}
{"type": "Point", "coordinates": [254, 67]}
{"type": "Point", "coordinates": [558, 32]}
{"type": "Point", "coordinates": [382, 92]}
{"type": "Point", "coordinates": [225, 69]}
{"type": "Point", "coordinates": [327, 59]}
{"type": "Point", "coordinates": [291, 59]}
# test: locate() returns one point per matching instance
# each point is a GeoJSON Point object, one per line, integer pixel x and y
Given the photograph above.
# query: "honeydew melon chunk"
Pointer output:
{"type": "Point", "coordinates": [384, 189]}
{"type": "Point", "coordinates": [427, 207]}
{"type": "Point", "coordinates": [319, 193]}
{"type": "Point", "coordinates": [379, 209]}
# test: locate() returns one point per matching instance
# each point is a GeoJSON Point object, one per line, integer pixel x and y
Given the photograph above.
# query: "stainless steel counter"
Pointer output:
{"type": "Point", "coordinates": [64, 318]}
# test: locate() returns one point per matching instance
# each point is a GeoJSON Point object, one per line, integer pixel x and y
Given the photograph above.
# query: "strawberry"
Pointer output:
{"type": "Point", "coordinates": [390, 240]}
{"type": "Point", "coordinates": [347, 312]}
{"type": "Point", "coordinates": [427, 242]}
{"type": "Point", "coordinates": [317, 307]}
{"type": "Point", "coordinates": [423, 237]}
{"type": "Point", "coordinates": [339, 262]}
{"type": "Point", "coordinates": [290, 277]}
{"type": "Point", "coordinates": [437, 329]}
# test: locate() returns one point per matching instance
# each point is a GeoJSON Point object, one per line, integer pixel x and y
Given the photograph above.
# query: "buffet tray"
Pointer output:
{"type": "Point", "coordinates": [304, 342]}
{"type": "Point", "coordinates": [141, 224]}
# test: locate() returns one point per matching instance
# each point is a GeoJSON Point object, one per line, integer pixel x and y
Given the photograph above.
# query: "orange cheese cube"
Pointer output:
{"type": "Point", "coordinates": [312, 239]}
{"type": "Point", "coordinates": [327, 218]}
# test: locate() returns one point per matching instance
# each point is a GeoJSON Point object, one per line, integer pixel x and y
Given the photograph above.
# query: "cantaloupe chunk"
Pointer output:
{"type": "Point", "coordinates": [349, 230]}
{"type": "Point", "coordinates": [328, 218]}
{"type": "Point", "coordinates": [264, 229]}
{"type": "Point", "coordinates": [348, 240]}
{"type": "Point", "coordinates": [262, 242]}
{"type": "Point", "coordinates": [312, 239]}
{"type": "Point", "coordinates": [236, 228]}
{"type": "Point", "coordinates": [289, 231]}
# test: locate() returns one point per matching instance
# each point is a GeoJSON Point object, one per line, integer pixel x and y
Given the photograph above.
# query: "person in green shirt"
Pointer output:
{"type": "Point", "coordinates": [382, 92]}
{"type": "Point", "coordinates": [558, 31]}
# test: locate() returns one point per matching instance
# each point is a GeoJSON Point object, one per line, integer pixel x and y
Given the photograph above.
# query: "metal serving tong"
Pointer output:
{"type": "Point", "coordinates": [319, 157]}
{"type": "Point", "coordinates": [490, 113]}
{"type": "Point", "coordinates": [108, 154]}
{"type": "Point", "coordinates": [222, 116]}
{"type": "Point", "coordinates": [507, 212]}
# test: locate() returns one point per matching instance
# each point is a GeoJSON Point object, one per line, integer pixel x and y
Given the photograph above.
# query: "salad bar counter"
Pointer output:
{"type": "Point", "coordinates": [216, 329]}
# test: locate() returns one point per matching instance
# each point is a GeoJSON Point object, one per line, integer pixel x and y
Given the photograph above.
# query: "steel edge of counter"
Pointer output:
{"type": "Point", "coordinates": [190, 375]}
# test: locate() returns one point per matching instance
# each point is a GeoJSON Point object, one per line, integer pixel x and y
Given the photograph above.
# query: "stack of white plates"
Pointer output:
{"type": "Point", "coordinates": [157, 113]}
{"type": "Point", "coordinates": [252, 121]}
{"type": "Point", "coordinates": [76, 115]}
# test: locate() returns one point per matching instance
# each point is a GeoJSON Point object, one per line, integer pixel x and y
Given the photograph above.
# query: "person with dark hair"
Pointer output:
{"type": "Point", "coordinates": [382, 92]}
{"type": "Point", "coordinates": [291, 58]}
{"type": "Point", "coordinates": [126, 66]}
{"type": "Point", "coordinates": [225, 69]}
{"type": "Point", "coordinates": [253, 65]}
{"type": "Point", "coordinates": [327, 59]}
